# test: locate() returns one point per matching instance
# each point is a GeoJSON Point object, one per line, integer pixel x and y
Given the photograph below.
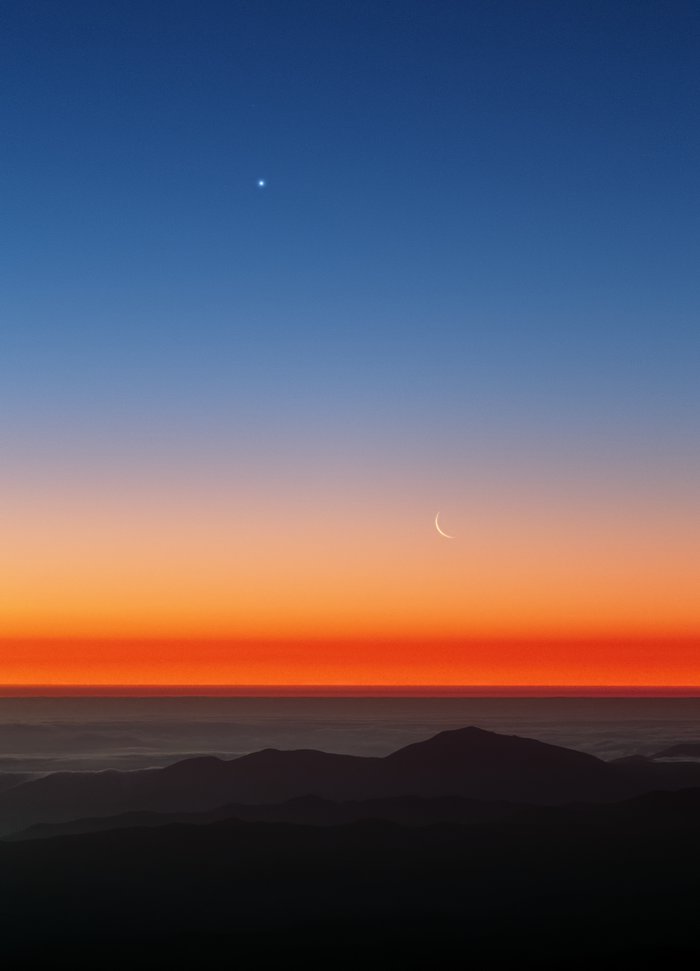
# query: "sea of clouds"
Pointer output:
{"type": "Point", "coordinates": [39, 735]}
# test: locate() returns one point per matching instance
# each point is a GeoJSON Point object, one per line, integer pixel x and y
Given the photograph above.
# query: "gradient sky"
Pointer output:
{"type": "Point", "coordinates": [229, 414]}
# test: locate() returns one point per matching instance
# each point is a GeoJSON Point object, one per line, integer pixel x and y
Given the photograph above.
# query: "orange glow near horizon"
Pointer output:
{"type": "Point", "coordinates": [508, 663]}
{"type": "Point", "coordinates": [284, 282]}
{"type": "Point", "coordinates": [277, 586]}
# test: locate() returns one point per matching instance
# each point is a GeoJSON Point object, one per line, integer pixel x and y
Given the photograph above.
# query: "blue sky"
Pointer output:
{"type": "Point", "coordinates": [478, 233]}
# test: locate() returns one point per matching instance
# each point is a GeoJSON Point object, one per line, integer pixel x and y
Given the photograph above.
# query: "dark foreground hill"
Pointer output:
{"type": "Point", "coordinates": [305, 810]}
{"type": "Point", "coordinates": [588, 886]}
{"type": "Point", "coordinates": [469, 763]}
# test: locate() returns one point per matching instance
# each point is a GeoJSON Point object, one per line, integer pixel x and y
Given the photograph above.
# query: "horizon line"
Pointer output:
{"type": "Point", "coordinates": [144, 690]}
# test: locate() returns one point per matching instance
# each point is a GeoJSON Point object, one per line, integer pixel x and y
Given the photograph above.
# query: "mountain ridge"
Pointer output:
{"type": "Point", "coordinates": [531, 883]}
{"type": "Point", "coordinates": [469, 762]}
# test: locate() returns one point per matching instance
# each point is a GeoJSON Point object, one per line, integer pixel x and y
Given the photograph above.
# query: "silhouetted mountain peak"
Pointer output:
{"type": "Point", "coordinates": [473, 743]}
{"type": "Point", "coordinates": [470, 762]}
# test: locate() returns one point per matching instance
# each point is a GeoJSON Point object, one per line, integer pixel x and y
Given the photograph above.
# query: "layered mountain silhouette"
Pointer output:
{"type": "Point", "coordinates": [504, 850]}
{"type": "Point", "coordinates": [469, 763]}
{"type": "Point", "coordinates": [557, 886]}
{"type": "Point", "coordinates": [306, 810]}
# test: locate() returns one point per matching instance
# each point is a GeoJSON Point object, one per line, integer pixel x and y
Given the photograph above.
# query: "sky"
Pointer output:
{"type": "Point", "coordinates": [230, 411]}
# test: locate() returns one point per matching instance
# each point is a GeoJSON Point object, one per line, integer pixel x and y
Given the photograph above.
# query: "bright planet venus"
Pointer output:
{"type": "Point", "coordinates": [225, 425]}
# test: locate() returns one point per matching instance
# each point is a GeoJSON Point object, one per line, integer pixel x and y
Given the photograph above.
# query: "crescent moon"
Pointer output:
{"type": "Point", "coordinates": [441, 531]}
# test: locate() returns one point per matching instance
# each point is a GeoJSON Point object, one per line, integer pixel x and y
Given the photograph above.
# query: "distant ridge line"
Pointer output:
{"type": "Point", "coordinates": [344, 691]}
